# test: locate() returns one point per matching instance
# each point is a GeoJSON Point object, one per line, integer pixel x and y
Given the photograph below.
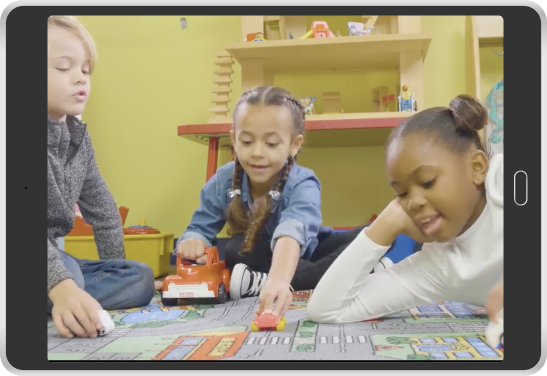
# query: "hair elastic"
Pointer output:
{"type": "Point", "coordinates": [234, 192]}
{"type": "Point", "coordinates": [274, 195]}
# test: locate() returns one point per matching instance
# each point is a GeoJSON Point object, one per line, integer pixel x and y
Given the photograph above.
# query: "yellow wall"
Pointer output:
{"type": "Point", "coordinates": [491, 68]}
{"type": "Point", "coordinates": [153, 76]}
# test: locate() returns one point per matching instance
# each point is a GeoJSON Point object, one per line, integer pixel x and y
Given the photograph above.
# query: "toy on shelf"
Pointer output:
{"type": "Point", "coordinates": [222, 83]}
{"type": "Point", "coordinates": [255, 37]}
{"type": "Point", "coordinates": [382, 99]}
{"type": "Point", "coordinates": [494, 332]}
{"type": "Point", "coordinates": [259, 37]}
{"type": "Point", "coordinates": [268, 322]}
{"type": "Point", "coordinates": [319, 29]}
{"type": "Point", "coordinates": [358, 29]}
{"type": "Point", "coordinates": [275, 27]}
{"type": "Point", "coordinates": [193, 282]}
{"type": "Point", "coordinates": [307, 103]}
{"type": "Point", "coordinates": [406, 100]}
{"type": "Point", "coordinates": [332, 103]}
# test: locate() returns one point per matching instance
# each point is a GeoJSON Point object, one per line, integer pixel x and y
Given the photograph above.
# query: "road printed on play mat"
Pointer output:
{"type": "Point", "coordinates": [450, 330]}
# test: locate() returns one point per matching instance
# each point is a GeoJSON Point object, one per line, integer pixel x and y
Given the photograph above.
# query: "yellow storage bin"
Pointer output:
{"type": "Point", "coordinates": [152, 249]}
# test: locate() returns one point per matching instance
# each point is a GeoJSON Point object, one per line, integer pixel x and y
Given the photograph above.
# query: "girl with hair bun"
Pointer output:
{"type": "Point", "coordinates": [449, 195]}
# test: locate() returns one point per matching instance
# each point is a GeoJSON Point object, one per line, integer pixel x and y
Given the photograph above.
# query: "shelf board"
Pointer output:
{"type": "Point", "coordinates": [492, 41]}
{"type": "Point", "coordinates": [331, 130]}
{"type": "Point", "coordinates": [489, 30]}
{"type": "Point", "coordinates": [331, 54]}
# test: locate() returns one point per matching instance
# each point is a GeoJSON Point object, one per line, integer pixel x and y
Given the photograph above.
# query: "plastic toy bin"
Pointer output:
{"type": "Point", "coordinates": [151, 249]}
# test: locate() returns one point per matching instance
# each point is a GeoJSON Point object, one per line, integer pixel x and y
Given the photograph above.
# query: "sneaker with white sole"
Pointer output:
{"type": "Point", "coordinates": [246, 282]}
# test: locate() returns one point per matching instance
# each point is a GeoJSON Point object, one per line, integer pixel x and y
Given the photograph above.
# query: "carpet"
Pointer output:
{"type": "Point", "coordinates": [448, 331]}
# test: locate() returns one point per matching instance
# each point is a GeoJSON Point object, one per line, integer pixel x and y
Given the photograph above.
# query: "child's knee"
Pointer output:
{"type": "Point", "coordinates": [235, 243]}
{"type": "Point", "coordinates": [233, 249]}
{"type": "Point", "coordinates": [142, 283]}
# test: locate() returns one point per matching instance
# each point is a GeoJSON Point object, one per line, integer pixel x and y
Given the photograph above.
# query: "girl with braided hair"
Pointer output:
{"type": "Point", "coordinates": [272, 206]}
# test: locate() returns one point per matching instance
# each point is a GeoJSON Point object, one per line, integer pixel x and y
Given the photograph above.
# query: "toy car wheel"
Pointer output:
{"type": "Point", "coordinates": [169, 302]}
{"type": "Point", "coordinates": [222, 295]}
{"type": "Point", "coordinates": [254, 327]}
{"type": "Point", "coordinates": [281, 325]}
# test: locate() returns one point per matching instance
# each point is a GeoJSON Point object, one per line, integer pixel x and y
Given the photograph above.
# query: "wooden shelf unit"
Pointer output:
{"type": "Point", "coordinates": [480, 31]}
{"type": "Point", "coordinates": [329, 54]}
{"type": "Point", "coordinates": [398, 43]}
{"type": "Point", "coordinates": [322, 131]}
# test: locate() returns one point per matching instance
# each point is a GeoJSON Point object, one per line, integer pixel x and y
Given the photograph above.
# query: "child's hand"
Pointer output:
{"type": "Point", "coordinates": [275, 298]}
{"type": "Point", "coordinates": [391, 222]}
{"type": "Point", "coordinates": [494, 302]}
{"type": "Point", "coordinates": [192, 249]}
{"type": "Point", "coordinates": [74, 312]}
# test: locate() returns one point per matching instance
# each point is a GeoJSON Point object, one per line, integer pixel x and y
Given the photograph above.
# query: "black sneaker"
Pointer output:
{"type": "Point", "coordinates": [245, 282]}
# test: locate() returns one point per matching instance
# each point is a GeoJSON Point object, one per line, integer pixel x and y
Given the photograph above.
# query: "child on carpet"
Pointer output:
{"type": "Point", "coordinates": [78, 289]}
{"type": "Point", "coordinates": [272, 205]}
{"type": "Point", "coordinates": [449, 195]}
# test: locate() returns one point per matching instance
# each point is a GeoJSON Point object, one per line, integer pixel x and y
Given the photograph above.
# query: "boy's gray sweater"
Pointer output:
{"type": "Point", "coordinates": [73, 177]}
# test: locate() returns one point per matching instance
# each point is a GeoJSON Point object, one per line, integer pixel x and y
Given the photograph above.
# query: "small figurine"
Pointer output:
{"type": "Point", "coordinates": [358, 29]}
{"type": "Point", "coordinates": [268, 322]}
{"type": "Point", "coordinates": [307, 103]}
{"type": "Point", "coordinates": [259, 37]}
{"type": "Point", "coordinates": [406, 100]}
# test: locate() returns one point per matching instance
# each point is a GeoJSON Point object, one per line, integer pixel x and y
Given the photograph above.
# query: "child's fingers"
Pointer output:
{"type": "Point", "coordinates": [494, 302]}
{"type": "Point", "coordinates": [282, 305]}
{"type": "Point", "coordinates": [191, 251]}
{"type": "Point", "coordinates": [70, 321]}
{"type": "Point", "coordinates": [269, 299]}
{"type": "Point", "coordinates": [93, 309]}
{"type": "Point", "coordinates": [202, 260]}
{"type": "Point", "coordinates": [182, 250]}
{"type": "Point", "coordinates": [260, 308]}
{"type": "Point", "coordinates": [84, 318]}
{"type": "Point", "coordinates": [60, 326]}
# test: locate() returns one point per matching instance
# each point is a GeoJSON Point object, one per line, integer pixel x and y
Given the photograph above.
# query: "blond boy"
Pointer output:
{"type": "Point", "coordinates": [78, 289]}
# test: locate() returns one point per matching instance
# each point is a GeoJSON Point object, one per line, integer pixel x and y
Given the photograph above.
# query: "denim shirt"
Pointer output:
{"type": "Point", "coordinates": [297, 213]}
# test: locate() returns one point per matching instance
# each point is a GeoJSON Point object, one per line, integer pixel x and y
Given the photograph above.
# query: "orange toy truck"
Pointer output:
{"type": "Point", "coordinates": [197, 284]}
{"type": "Point", "coordinates": [268, 322]}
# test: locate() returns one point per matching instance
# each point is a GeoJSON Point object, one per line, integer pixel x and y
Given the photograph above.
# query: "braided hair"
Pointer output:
{"type": "Point", "coordinates": [252, 222]}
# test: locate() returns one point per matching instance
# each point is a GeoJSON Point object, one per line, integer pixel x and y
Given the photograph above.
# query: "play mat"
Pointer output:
{"type": "Point", "coordinates": [449, 330]}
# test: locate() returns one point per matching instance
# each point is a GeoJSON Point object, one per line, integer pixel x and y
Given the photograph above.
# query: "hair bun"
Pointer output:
{"type": "Point", "coordinates": [469, 114]}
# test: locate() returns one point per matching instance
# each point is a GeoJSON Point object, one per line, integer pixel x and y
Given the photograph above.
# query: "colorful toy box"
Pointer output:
{"type": "Point", "coordinates": [142, 243]}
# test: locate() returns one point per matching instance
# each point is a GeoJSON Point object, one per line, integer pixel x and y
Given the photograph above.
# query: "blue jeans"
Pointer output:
{"type": "Point", "coordinates": [115, 284]}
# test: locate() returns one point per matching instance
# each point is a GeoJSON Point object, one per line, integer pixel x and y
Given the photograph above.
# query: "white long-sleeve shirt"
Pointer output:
{"type": "Point", "coordinates": [465, 269]}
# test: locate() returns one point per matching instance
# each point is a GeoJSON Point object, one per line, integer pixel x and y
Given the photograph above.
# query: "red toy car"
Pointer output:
{"type": "Point", "coordinates": [268, 322]}
{"type": "Point", "coordinates": [208, 283]}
